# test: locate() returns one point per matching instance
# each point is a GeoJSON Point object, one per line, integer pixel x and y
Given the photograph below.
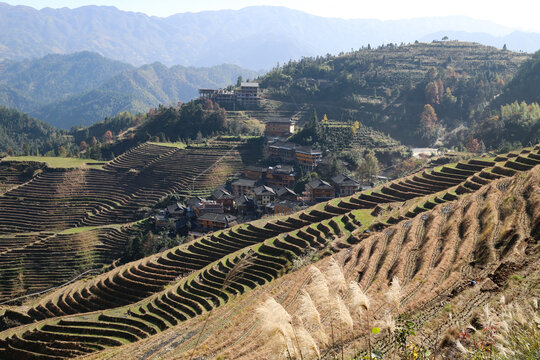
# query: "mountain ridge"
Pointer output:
{"type": "Point", "coordinates": [85, 87]}
{"type": "Point", "coordinates": [222, 36]}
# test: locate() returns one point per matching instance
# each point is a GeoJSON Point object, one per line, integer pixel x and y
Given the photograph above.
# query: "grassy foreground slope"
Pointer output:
{"type": "Point", "coordinates": [149, 296]}
{"type": "Point", "coordinates": [490, 235]}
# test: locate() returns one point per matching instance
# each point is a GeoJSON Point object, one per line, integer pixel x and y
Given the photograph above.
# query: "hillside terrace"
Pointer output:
{"type": "Point", "coordinates": [143, 298]}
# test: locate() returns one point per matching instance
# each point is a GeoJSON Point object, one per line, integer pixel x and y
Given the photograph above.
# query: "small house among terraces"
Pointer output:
{"type": "Point", "coordinates": [345, 186]}
{"type": "Point", "coordinates": [318, 190]}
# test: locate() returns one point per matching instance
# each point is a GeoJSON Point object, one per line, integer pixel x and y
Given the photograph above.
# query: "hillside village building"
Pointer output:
{"type": "Point", "coordinates": [279, 127]}
{"type": "Point", "coordinates": [212, 222]}
{"type": "Point", "coordinates": [318, 190]}
{"type": "Point", "coordinates": [345, 186]}
{"type": "Point", "coordinates": [253, 172]}
{"type": "Point", "coordinates": [247, 95]}
{"type": "Point", "coordinates": [280, 175]}
{"type": "Point", "coordinates": [305, 156]}
{"type": "Point", "coordinates": [264, 195]}
{"type": "Point", "coordinates": [243, 187]}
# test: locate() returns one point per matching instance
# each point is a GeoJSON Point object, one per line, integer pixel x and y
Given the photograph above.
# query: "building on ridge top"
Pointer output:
{"type": "Point", "coordinates": [246, 95]}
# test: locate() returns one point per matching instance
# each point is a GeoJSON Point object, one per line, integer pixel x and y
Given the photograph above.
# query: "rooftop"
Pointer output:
{"type": "Point", "coordinates": [244, 182]}
{"type": "Point", "coordinates": [308, 150]}
{"type": "Point", "coordinates": [264, 190]}
{"type": "Point", "coordinates": [285, 191]}
{"type": "Point", "coordinates": [255, 168]}
{"type": "Point", "coordinates": [217, 217]}
{"type": "Point", "coordinates": [250, 84]}
{"type": "Point", "coordinates": [319, 184]}
{"type": "Point", "coordinates": [282, 169]}
{"type": "Point", "coordinates": [280, 120]}
{"type": "Point", "coordinates": [344, 180]}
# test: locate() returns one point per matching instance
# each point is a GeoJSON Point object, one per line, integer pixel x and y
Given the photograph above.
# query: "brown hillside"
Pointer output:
{"type": "Point", "coordinates": [487, 235]}
{"type": "Point", "coordinates": [425, 253]}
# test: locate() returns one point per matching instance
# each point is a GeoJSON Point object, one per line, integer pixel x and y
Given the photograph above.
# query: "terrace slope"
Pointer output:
{"type": "Point", "coordinates": [487, 235]}
{"type": "Point", "coordinates": [157, 293]}
{"type": "Point", "coordinates": [56, 222]}
{"type": "Point", "coordinates": [423, 191]}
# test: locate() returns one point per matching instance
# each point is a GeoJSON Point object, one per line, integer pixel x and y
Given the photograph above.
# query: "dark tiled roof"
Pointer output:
{"type": "Point", "coordinates": [217, 217]}
{"type": "Point", "coordinates": [319, 184]}
{"type": "Point", "coordinates": [280, 120]}
{"type": "Point", "coordinates": [255, 168]}
{"type": "Point", "coordinates": [244, 182]}
{"type": "Point", "coordinates": [264, 190]}
{"type": "Point", "coordinates": [344, 180]}
{"type": "Point", "coordinates": [175, 207]}
{"type": "Point", "coordinates": [221, 193]}
{"type": "Point", "coordinates": [285, 191]}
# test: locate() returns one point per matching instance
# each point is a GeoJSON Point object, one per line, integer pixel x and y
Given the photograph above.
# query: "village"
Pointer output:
{"type": "Point", "coordinates": [260, 190]}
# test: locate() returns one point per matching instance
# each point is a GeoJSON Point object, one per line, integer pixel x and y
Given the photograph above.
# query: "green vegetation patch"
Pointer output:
{"type": "Point", "coordinates": [58, 162]}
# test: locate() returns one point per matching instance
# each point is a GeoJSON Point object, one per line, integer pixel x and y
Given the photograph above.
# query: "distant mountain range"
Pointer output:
{"type": "Point", "coordinates": [85, 87]}
{"type": "Point", "coordinates": [253, 37]}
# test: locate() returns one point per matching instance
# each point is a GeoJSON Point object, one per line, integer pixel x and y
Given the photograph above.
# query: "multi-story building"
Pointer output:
{"type": "Point", "coordinates": [247, 95]}
{"type": "Point", "coordinates": [308, 157]}
{"type": "Point", "coordinates": [243, 187]}
{"type": "Point", "coordinates": [345, 186]}
{"type": "Point", "coordinates": [280, 175]}
{"type": "Point", "coordinates": [224, 197]}
{"type": "Point", "coordinates": [279, 127]}
{"type": "Point", "coordinates": [211, 221]}
{"type": "Point", "coordinates": [318, 190]}
{"type": "Point", "coordinates": [255, 172]}
{"type": "Point", "coordinates": [264, 195]}
{"type": "Point", "coordinates": [305, 156]}
{"type": "Point", "coordinates": [282, 151]}
{"type": "Point", "coordinates": [222, 97]}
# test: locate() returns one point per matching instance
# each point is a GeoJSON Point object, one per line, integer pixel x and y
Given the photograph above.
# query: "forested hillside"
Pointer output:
{"type": "Point", "coordinates": [22, 134]}
{"type": "Point", "coordinates": [82, 88]}
{"type": "Point", "coordinates": [512, 119]}
{"type": "Point", "coordinates": [525, 86]}
{"type": "Point", "coordinates": [419, 93]}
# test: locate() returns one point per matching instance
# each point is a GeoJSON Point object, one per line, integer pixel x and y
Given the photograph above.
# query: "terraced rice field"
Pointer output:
{"type": "Point", "coordinates": [41, 209]}
{"type": "Point", "coordinates": [433, 230]}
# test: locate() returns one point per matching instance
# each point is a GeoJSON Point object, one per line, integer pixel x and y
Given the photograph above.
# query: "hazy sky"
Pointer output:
{"type": "Point", "coordinates": [521, 14]}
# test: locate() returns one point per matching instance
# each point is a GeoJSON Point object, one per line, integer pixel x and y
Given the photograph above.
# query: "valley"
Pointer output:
{"type": "Point", "coordinates": [266, 183]}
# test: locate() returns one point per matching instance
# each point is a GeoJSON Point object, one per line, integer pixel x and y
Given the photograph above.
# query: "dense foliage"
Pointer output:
{"type": "Point", "coordinates": [22, 134]}
{"type": "Point", "coordinates": [525, 86]}
{"type": "Point", "coordinates": [388, 88]}
{"type": "Point", "coordinates": [513, 118]}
